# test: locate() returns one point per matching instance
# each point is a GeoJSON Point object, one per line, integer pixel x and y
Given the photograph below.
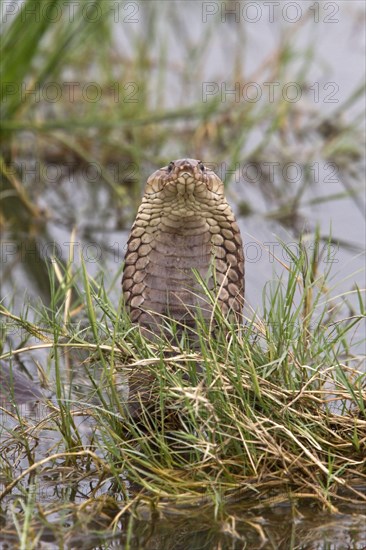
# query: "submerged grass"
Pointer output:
{"type": "Point", "coordinates": [261, 414]}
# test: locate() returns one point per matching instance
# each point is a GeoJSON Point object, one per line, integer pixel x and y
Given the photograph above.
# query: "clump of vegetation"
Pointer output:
{"type": "Point", "coordinates": [275, 411]}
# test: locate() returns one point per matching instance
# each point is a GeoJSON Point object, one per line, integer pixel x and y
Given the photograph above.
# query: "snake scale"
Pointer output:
{"type": "Point", "coordinates": [184, 230]}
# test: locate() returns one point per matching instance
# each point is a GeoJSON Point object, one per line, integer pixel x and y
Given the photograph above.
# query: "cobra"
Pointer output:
{"type": "Point", "coordinates": [184, 231]}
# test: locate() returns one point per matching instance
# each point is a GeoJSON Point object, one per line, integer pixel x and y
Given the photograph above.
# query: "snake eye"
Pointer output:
{"type": "Point", "coordinates": [170, 167]}
{"type": "Point", "coordinates": [201, 166]}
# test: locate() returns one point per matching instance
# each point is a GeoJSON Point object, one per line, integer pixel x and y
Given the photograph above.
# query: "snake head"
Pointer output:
{"type": "Point", "coordinates": [186, 177]}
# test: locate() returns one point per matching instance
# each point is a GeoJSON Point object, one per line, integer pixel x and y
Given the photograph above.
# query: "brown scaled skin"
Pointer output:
{"type": "Point", "coordinates": [184, 223]}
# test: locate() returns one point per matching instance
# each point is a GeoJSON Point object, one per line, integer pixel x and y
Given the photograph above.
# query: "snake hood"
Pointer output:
{"type": "Point", "coordinates": [184, 225]}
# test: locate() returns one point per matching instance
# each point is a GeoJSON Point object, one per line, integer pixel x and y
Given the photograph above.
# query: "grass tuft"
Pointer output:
{"type": "Point", "coordinates": [265, 413]}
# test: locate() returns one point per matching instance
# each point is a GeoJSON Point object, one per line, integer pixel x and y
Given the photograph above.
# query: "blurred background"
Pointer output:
{"type": "Point", "coordinates": [96, 95]}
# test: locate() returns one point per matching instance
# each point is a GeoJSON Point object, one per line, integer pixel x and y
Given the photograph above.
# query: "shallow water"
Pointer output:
{"type": "Point", "coordinates": [286, 526]}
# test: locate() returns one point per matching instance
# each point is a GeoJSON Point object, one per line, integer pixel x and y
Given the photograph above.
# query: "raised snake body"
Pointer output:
{"type": "Point", "coordinates": [184, 230]}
